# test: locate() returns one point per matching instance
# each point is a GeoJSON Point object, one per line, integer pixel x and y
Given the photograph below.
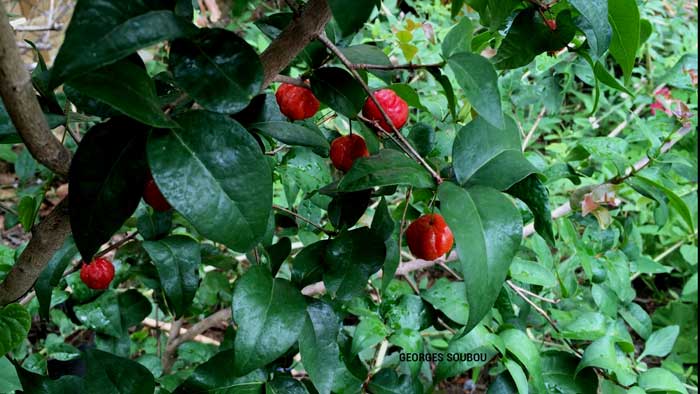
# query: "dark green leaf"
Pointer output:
{"type": "Point", "coordinates": [423, 138]}
{"type": "Point", "coordinates": [351, 18]}
{"type": "Point", "coordinates": [387, 381]}
{"type": "Point", "coordinates": [448, 298]}
{"type": "Point", "coordinates": [605, 77]}
{"type": "Point", "coordinates": [368, 333]}
{"type": "Point", "coordinates": [52, 274]}
{"type": "Point", "coordinates": [487, 229]}
{"type": "Point", "coordinates": [459, 38]}
{"type": "Point", "coordinates": [558, 372]}
{"type": "Point", "coordinates": [39, 384]}
{"type": "Point", "coordinates": [14, 326]}
{"type": "Point", "coordinates": [292, 134]}
{"type": "Point", "coordinates": [675, 202]}
{"type": "Point", "coordinates": [270, 315]}
{"type": "Point", "coordinates": [106, 181]}
{"type": "Point", "coordinates": [350, 259]}
{"type": "Point", "coordinates": [478, 78]}
{"type": "Point", "coordinates": [447, 89]}
{"type": "Point", "coordinates": [489, 156]}
{"type": "Point", "coordinates": [387, 167]}
{"type": "Point", "coordinates": [318, 345]}
{"type": "Point", "coordinates": [285, 385]}
{"type": "Point", "coordinates": [337, 89]}
{"type": "Point", "coordinates": [307, 266]}
{"type": "Point", "coordinates": [216, 376]}
{"type": "Point", "coordinates": [645, 30]}
{"type": "Point", "coordinates": [155, 224]}
{"type": "Point", "coordinates": [112, 374]}
{"type": "Point", "coordinates": [594, 24]}
{"type": "Point", "coordinates": [278, 253]}
{"type": "Point", "coordinates": [217, 68]}
{"type": "Point", "coordinates": [126, 87]}
{"type": "Point", "coordinates": [477, 341]}
{"type": "Point", "coordinates": [637, 318]}
{"type": "Point", "coordinates": [370, 54]}
{"type": "Point", "coordinates": [626, 31]}
{"type": "Point", "coordinates": [177, 260]}
{"type": "Point", "coordinates": [121, 29]}
{"type": "Point", "coordinates": [532, 192]}
{"type": "Point", "coordinates": [213, 172]}
{"type": "Point", "coordinates": [518, 344]}
{"type": "Point", "coordinates": [347, 208]}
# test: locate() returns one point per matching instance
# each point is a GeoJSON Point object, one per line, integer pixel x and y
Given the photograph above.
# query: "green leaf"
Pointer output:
{"type": "Point", "coordinates": [600, 354]}
{"type": "Point", "coordinates": [8, 133]}
{"type": "Point", "coordinates": [292, 134]}
{"type": "Point", "coordinates": [532, 192]}
{"type": "Point", "coordinates": [447, 89]}
{"type": "Point", "coordinates": [106, 181]}
{"type": "Point", "coordinates": [448, 298]}
{"type": "Point", "coordinates": [270, 314]}
{"type": "Point", "coordinates": [489, 156]}
{"type": "Point", "coordinates": [407, 313]}
{"type": "Point", "coordinates": [217, 68]}
{"type": "Point", "coordinates": [347, 208]}
{"type": "Point", "coordinates": [14, 326]}
{"type": "Point", "coordinates": [530, 36]}
{"type": "Point", "coordinates": [112, 374]}
{"type": "Point", "coordinates": [52, 274]}
{"type": "Point", "coordinates": [215, 376]}
{"type": "Point", "coordinates": [660, 342]}
{"type": "Point", "coordinates": [39, 384]}
{"type": "Point", "coordinates": [126, 87]}
{"type": "Point", "coordinates": [659, 379]}
{"type": "Point", "coordinates": [518, 344]}
{"type": "Point", "coordinates": [386, 168]}
{"type": "Point", "coordinates": [608, 79]}
{"type": "Point", "coordinates": [9, 381]}
{"type": "Point", "coordinates": [594, 24]}
{"type": "Point", "coordinates": [645, 30]}
{"type": "Point", "coordinates": [532, 273]}
{"type": "Point", "coordinates": [121, 29]}
{"type": "Point", "coordinates": [370, 54]}
{"type": "Point", "coordinates": [155, 224]}
{"type": "Point", "coordinates": [411, 341]}
{"type": "Point", "coordinates": [318, 345]}
{"type": "Point", "coordinates": [27, 210]}
{"type": "Point", "coordinates": [350, 259]}
{"type": "Point", "coordinates": [589, 326]}
{"type": "Point", "coordinates": [637, 318]}
{"type": "Point", "coordinates": [487, 229]}
{"type": "Point", "coordinates": [518, 375]}
{"type": "Point", "coordinates": [213, 165]}
{"type": "Point", "coordinates": [624, 19]}
{"type": "Point", "coordinates": [368, 333]}
{"type": "Point", "coordinates": [503, 384]}
{"type": "Point", "coordinates": [307, 265]}
{"type": "Point", "coordinates": [558, 373]}
{"type": "Point", "coordinates": [676, 202]}
{"type": "Point", "coordinates": [478, 79]}
{"type": "Point", "coordinates": [422, 137]}
{"type": "Point", "coordinates": [351, 18]}
{"type": "Point", "coordinates": [337, 89]}
{"type": "Point", "coordinates": [459, 38]}
{"type": "Point", "coordinates": [285, 385]}
{"type": "Point", "coordinates": [177, 260]}
{"type": "Point", "coordinates": [477, 341]}
{"type": "Point", "coordinates": [383, 226]}
{"type": "Point", "coordinates": [112, 314]}
{"type": "Point", "coordinates": [387, 381]}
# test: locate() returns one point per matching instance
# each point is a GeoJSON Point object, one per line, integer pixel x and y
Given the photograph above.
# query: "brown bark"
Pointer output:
{"type": "Point", "coordinates": [22, 106]}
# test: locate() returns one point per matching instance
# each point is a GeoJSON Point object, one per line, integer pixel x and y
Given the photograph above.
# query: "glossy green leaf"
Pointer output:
{"type": "Point", "coordinates": [447, 89]}
{"type": "Point", "coordinates": [645, 30]}
{"type": "Point", "coordinates": [285, 385]}
{"type": "Point", "coordinates": [608, 79]}
{"type": "Point", "coordinates": [386, 168]}
{"type": "Point", "coordinates": [532, 273]}
{"type": "Point", "coordinates": [126, 87]}
{"type": "Point", "coordinates": [292, 134]}
{"type": "Point", "coordinates": [487, 230]}
{"type": "Point", "coordinates": [351, 18]}
{"type": "Point", "coordinates": [270, 314]}
{"type": "Point", "coordinates": [34, 383]}
{"type": "Point", "coordinates": [14, 326]}
{"type": "Point", "coordinates": [307, 266]}
{"type": "Point", "coordinates": [659, 379]}
{"type": "Point", "coordinates": [212, 164]}
{"type": "Point", "coordinates": [478, 79]}
{"type": "Point", "coordinates": [407, 313]}
{"type": "Point", "coordinates": [532, 192]}
{"type": "Point", "coordinates": [350, 259]}
{"type": "Point", "coordinates": [624, 19]}
{"type": "Point", "coordinates": [217, 68]}
{"type": "Point", "coordinates": [121, 29]}
{"type": "Point", "coordinates": [676, 202]}
{"type": "Point", "coordinates": [411, 341]}
{"type": "Point", "coordinates": [384, 226]}
{"type": "Point", "coordinates": [106, 181]}
{"type": "Point", "coordinates": [489, 156]}
{"type": "Point", "coordinates": [368, 333]}
{"type": "Point", "coordinates": [423, 138]}
{"type": "Point", "coordinates": [459, 38]}
{"type": "Point", "coordinates": [589, 326]}
{"type": "Point", "coordinates": [318, 345]}
{"type": "Point", "coordinates": [8, 133]}
{"type": "Point", "coordinates": [52, 274]}
{"type": "Point", "coordinates": [337, 89]}
{"type": "Point", "coordinates": [477, 341]}
{"type": "Point", "coordinates": [660, 342]}
{"type": "Point", "coordinates": [558, 373]}
{"type": "Point", "coordinates": [638, 319]}
{"type": "Point", "coordinates": [594, 24]}
{"type": "Point", "coordinates": [448, 298]}
{"type": "Point", "coordinates": [9, 380]}
{"type": "Point", "coordinates": [519, 345]}
{"type": "Point", "coordinates": [370, 54]}
{"type": "Point", "coordinates": [112, 374]}
{"type": "Point", "coordinates": [346, 209]}
{"type": "Point", "coordinates": [517, 374]}
{"type": "Point", "coordinates": [387, 381]}
{"type": "Point", "coordinates": [601, 354]}
{"type": "Point", "coordinates": [216, 376]}
{"type": "Point", "coordinates": [112, 314]}
{"type": "Point", "coordinates": [177, 260]}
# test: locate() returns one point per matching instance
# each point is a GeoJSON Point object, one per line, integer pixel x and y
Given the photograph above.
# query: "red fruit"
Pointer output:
{"type": "Point", "coordinates": [296, 102]}
{"type": "Point", "coordinates": [98, 274]}
{"type": "Point", "coordinates": [428, 237]}
{"type": "Point", "coordinates": [344, 151]}
{"type": "Point", "coordinates": [395, 107]}
{"type": "Point", "coordinates": [153, 196]}
{"type": "Point", "coordinates": [551, 23]}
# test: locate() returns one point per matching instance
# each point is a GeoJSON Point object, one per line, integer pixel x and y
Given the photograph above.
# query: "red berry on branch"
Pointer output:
{"type": "Point", "coordinates": [551, 23]}
{"type": "Point", "coordinates": [428, 237]}
{"type": "Point", "coordinates": [344, 151]}
{"type": "Point", "coordinates": [296, 102]}
{"type": "Point", "coordinates": [153, 197]}
{"type": "Point", "coordinates": [393, 105]}
{"type": "Point", "coordinates": [97, 274]}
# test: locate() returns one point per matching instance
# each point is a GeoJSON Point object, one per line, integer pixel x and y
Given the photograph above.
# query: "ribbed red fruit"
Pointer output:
{"type": "Point", "coordinates": [97, 274]}
{"type": "Point", "coordinates": [393, 105]}
{"type": "Point", "coordinates": [153, 196]}
{"type": "Point", "coordinates": [428, 237]}
{"type": "Point", "coordinates": [346, 149]}
{"type": "Point", "coordinates": [296, 102]}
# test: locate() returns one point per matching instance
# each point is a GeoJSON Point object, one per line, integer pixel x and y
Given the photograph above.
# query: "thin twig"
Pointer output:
{"type": "Point", "coordinates": [302, 218]}
{"type": "Point", "coordinates": [409, 66]}
{"type": "Point", "coordinates": [117, 244]}
{"type": "Point", "coordinates": [291, 81]}
{"type": "Point", "coordinates": [534, 127]}
{"type": "Point", "coordinates": [55, 26]}
{"type": "Point", "coordinates": [531, 294]}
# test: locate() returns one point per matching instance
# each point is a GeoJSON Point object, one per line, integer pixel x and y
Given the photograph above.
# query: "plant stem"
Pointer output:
{"type": "Point", "coordinates": [302, 218]}
{"type": "Point", "coordinates": [409, 66]}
